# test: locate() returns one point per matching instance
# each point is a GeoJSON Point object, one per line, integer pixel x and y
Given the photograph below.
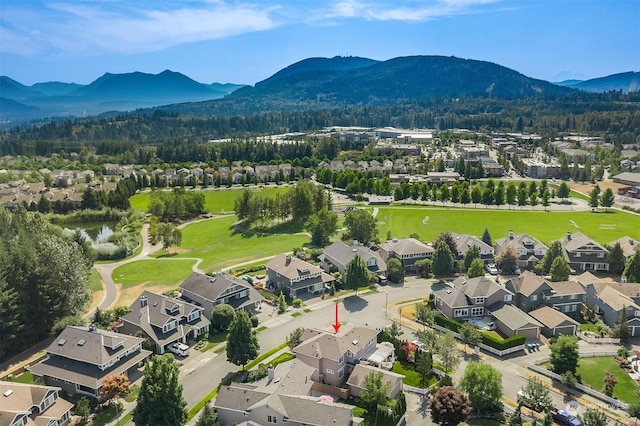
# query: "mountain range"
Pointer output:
{"type": "Point", "coordinates": [311, 83]}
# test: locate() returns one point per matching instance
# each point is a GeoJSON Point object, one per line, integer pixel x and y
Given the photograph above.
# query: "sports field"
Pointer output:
{"type": "Point", "coordinates": [429, 222]}
{"type": "Point", "coordinates": [216, 201]}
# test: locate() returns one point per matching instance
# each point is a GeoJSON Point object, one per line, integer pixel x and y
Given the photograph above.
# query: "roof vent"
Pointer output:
{"type": "Point", "coordinates": [81, 342]}
{"type": "Point", "coordinates": [61, 342]}
{"type": "Point", "coordinates": [448, 291]}
{"type": "Point", "coordinates": [8, 393]}
{"type": "Point", "coordinates": [355, 342]}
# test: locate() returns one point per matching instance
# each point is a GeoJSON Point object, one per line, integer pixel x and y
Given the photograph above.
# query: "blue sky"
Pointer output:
{"type": "Point", "coordinates": [247, 41]}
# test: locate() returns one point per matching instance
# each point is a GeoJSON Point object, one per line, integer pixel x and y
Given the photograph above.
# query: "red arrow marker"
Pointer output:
{"type": "Point", "coordinates": [336, 326]}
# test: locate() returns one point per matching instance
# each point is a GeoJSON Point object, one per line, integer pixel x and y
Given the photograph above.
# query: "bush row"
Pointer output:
{"type": "Point", "coordinates": [487, 338]}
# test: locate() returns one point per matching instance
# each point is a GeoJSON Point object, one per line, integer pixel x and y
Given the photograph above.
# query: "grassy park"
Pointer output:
{"type": "Point", "coordinates": [591, 370]}
{"type": "Point", "coordinates": [429, 222]}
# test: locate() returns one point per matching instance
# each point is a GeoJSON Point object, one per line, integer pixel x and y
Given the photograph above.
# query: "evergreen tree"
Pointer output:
{"type": "Point", "coordinates": [160, 400]}
{"type": "Point", "coordinates": [594, 197]}
{"type": "Point", "coordinates": [607, 199]}
{"type": "Point", "coordinates": [476, 269]}
{"type": "Point", "coordinates": [356, 274]}
{"type": "Point", "coordinates": [470, 255]}
{"type": "Point", "coordinates": [560, 270]}
{"type": "Point", "coordinates": [242, 341]}
{"type": "Point", "coordinates": [564, 191]}
{"type": "Point", "coordinates": [511, 194]}
{"type": "Point", "coordinates": [442, 263]}
{"type": "Point", "coordinates": [616, 259]}
{"type": "Point", "coordinates": [632, 270]}
{"type": "Point", "coordinates": [208, 417]}
{"type": "Point", "coordinates": [621, 330]}
{"type": "Point", "coordinates": [555, 250]}
{"type": "Point", "coordinates": [486, 237]}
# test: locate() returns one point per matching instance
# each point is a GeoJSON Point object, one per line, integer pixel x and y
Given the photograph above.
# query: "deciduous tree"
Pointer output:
{"type": "Point", "coordinates": [555, 250]}
{"type": "Point", "coordinates": [448, 351]}
{"type": "Point", "coordinates": [483, 385]}
{"type": "Point", "coordinates": [508, 260]}
{"type": "Point", "coordinates": [295, 337]}
{"type": "Point", "coordinates": [395, 270]}
{"type": "Point", "coordinates": [424, 314]}
{"type": "Point", "coordinates": [594, 417]}
{"type": "Point", "coordinates": [449, 406]}
{"type": "Point", "coordinates": [536, 394]}
{"type": "Point", "coordinates": [607, 198]}
{"type": "Point", "coordinates": [375, 389]}
{"type": "Point", "coordinates": [361, 225]}
{"type": "Point", "coordinates": [470, 335]}
{"type": "Point", "coordinates": [470, 255]}
{"type": "Point", "coordinates": [476, 269]}
{"type": "Point", "coordinates": [564, 355]}
{"type": "Point", "coordinates": [322, 226]}
{"type": "Point", "coordinates": [114, 386]}
{"type": "Point", "coordinates": [560, 269]}
{"type": "Point", "coordinates": [222, 315]}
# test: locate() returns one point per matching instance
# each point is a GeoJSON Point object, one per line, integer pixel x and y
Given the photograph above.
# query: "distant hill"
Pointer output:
{"type": "Point", "coordinates": [625, 82]}
{"type": "Point", "coordinates": [111, 92]}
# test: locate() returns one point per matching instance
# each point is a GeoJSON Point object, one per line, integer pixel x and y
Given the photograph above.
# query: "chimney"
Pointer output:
{"type": "Point", "coordinates": [568, 236]}
{"type": "Point", "coordinates": [631, 241]}
{"type": "Point", "coordinates": [143, 301]}
{"type": "Point", "coordinates": [287, 260]}
{"type": "Point", "coordinates": [270, 373]}
{"type": "Point", "coordinates": [511, 234]}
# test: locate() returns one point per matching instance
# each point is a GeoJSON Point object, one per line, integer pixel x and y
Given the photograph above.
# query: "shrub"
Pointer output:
{"type": "Point", "coordinates": [297, 303]}
{"type": "Point", "coordinates": [258, 374]}
{"type": "Point", "coordinates": [447, 323]}
{"type": "Point", "coordinates": [502, 344]}
{"type": "Point", "coordinates": [254, 321]}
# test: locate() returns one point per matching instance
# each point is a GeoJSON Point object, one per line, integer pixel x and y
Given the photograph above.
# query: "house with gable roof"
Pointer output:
{"type": "Point", "coordinates": [533, 291]}
{"type": "Point", "coordinates": [208, 291]}
{"type": "Point", "coordinates": [338, 255]}
{"type": "Point", "coordinates": [554, 323]}
{"type": "Point", "coordinates": [583, 253]}
{"type": "Point", "coordinates": [26, 405]}
{"type": "Point", "coordinates": [80, 358]}
{"type": "Point", "coordinates": [296, 276]}
{"type": "Point", "coordinates": [530, 250]}
{"type": "Point", "coordinates": [407, 250]}
{"type": "Point", "coordinates": [629, 246]}
{"type": "Point", "coordinates": [165, 320]}
{"type": "Point", "coordinates": [334, 355]}
{"type": "Point", "coordinates": [284, 396]}
{"type": "Point", "coordinates": [465, 241]}
{"type": "Point", "coordinates": [608, 302]}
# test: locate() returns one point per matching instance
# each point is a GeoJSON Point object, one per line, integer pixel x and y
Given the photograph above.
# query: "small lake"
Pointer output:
{"type": "Point", "coordinates": [96, 233]}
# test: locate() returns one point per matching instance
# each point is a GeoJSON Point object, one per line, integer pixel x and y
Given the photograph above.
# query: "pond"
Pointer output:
{"type": "Point", "coordinates": [96, 233]}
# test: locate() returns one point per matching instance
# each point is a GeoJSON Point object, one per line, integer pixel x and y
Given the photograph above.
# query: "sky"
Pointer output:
{"type": "Point", "coordinates": [244, 42]}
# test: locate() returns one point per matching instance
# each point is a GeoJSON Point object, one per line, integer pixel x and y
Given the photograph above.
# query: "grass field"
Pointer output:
{"type": "Point", "coordinates": [93, 283]}
{"type": "Point", "coordinates": [429, 222]}
{"type": "Point", "coordinates": [216, 201]}
{"type": "Point", "coordinates": [220, 246]}
{"type": "Point", "coordinates": [592, 372]}
{"type": "Point", "coordinates": [169, 273]}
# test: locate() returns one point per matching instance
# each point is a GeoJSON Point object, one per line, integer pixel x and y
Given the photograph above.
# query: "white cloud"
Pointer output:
{"type": "Point", "coordinates": [407, 11]}
{"type": "Point", "coordinates": [126, 27]}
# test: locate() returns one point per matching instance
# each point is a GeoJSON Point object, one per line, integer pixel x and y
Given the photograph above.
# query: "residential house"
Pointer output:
{"type": "Point", "coordinates": [629, 246]}
{"type": "Point", "coordinates": [81, 358]}
{"type": "Point", "coordinates": [608, 302]}
{"type": "Point", "coordinates": [582, 253]}
{"type": "Point", "coordinates": [338, 255]}
{"type": "Point", "coordinates": [465, 241]}
{"type": "Point", "coordinates": [25, 404]}
{"type": "Point", "coordinates": [296, 276]}
{"type": "Point", "coordinates": [165, 320]}
{"type": "Point", "coordinates": [334, 355]}
{"type": "Point", "coordinates": [554, 323]}
{"type": "Point", "coordinates": [483, 297]}
{"type": "Point", "coordinates": [530, 250]}
{"type": "Point", "coordinates": [533, 291]}
{"type": "Point", "coordinates": [407, 250]}
{"type": "Point", "coordinates": [284, 396]}
{"type": "Point", "coordinates": [356, 381]}
{"type": "Point", "coordinates": [468, 298]}
{"type": "Point", "coordinates": [208, 291]}
{"type": "Point", "coordinates": [627, 178]}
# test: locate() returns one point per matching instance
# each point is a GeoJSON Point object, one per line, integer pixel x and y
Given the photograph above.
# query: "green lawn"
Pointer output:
{"type": "Point", "coordinates": [133, 393]}
{"type": "Point", "coordinates": [220, 246]}
{"type": "Point", "coordinates": [591, 370]}
{"type": "Point", "coordinates": [169, 273]}
{"type": "Point", "coordinates": [429, 222]}
{"type": "Point", "coordinates": [26, 378]}
{"type": "Point", "coordinates": [216, 201]}
{"type": "Point", "coordinates": [94, 283]}
{"type": "Point", "coordinates": [412, 377]}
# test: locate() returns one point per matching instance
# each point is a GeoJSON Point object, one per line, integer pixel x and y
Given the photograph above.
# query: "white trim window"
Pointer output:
{"type": "Point", "coordinates": [460, 312]}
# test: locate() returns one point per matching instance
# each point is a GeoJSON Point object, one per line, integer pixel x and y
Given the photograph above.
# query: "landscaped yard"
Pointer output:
{"type": "Point", "coordinates": [216, 201]}
{"type": "Point", "coordinates": [168, 273]}
{"type": "Point", "coordinates": [412, 377]}
{"type": "Point", "coordinates": [429, 222]}
{"type": "Point", "coordinates": [591, 370]}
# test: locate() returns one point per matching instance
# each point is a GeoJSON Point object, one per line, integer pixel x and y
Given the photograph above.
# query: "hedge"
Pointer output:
{"type": "Point", "coordinates": [488, 339]}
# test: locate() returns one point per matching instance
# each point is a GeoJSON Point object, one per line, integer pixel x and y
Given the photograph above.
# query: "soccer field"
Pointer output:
{"type": "Point", "coordinates": [429, 222]}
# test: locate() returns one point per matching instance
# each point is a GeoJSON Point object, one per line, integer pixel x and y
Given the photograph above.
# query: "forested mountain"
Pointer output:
{"type": "Point", "coordinates": [111, 92]}
{"type": "Point", "coordinates": [625, 82]}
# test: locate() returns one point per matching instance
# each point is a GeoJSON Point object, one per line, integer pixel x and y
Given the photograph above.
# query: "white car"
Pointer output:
{"type": "Point", "coordinates": [180, 349]}
{"type": "Point", "coordinates": [492, 269]}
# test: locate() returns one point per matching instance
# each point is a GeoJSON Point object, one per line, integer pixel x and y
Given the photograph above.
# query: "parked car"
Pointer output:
{"type": "Point", "coordinates": [492, 269]}
{"type": "Point", "coordinates": [179, 349]}
{"type": "Point", "coordinates": [564, 418]}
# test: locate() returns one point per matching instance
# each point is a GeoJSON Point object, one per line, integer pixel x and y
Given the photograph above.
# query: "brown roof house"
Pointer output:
{"type": "Point", "coordinates": [296, 276]}
{"type": "Point", "coordinates": [464, 242]}
{"type": "Point", "coordinates": [80, 358]}
{"type": "Point", "coordinates": [554, 323]}
{"type": "Point", "coordinates": [165, 320]}
{"type": "Point", "coordinates": [533, 291]}
{"type": "Point", "coordinates": [407, 250]}
{"type": "Point", "coordinates": [530, 250]}
{"type": "Point", "coordinates": [629, 246]}
{"type": "Point", "coordinates": [582, 253]}
{"type": "Point", "coordinates": [208, 291]}
{"type": "Point", "coordinates": [334, 355]}
{"type": "Point", "coordinates": [356, 381]}
{"type": "Point", "coordinates": [32, 405]}
{"type": "Point", "coordinates": [284, 396]}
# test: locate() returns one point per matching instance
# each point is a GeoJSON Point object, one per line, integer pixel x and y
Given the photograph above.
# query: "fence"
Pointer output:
{"type": "Point", "coordinates": [331, 390]}
{"type": "Point", "coordinates": [597, 340]}
{"type": "Point", "coordinates": [609, 400]}
{"type": "Point", "coordinates": [419, 391]}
